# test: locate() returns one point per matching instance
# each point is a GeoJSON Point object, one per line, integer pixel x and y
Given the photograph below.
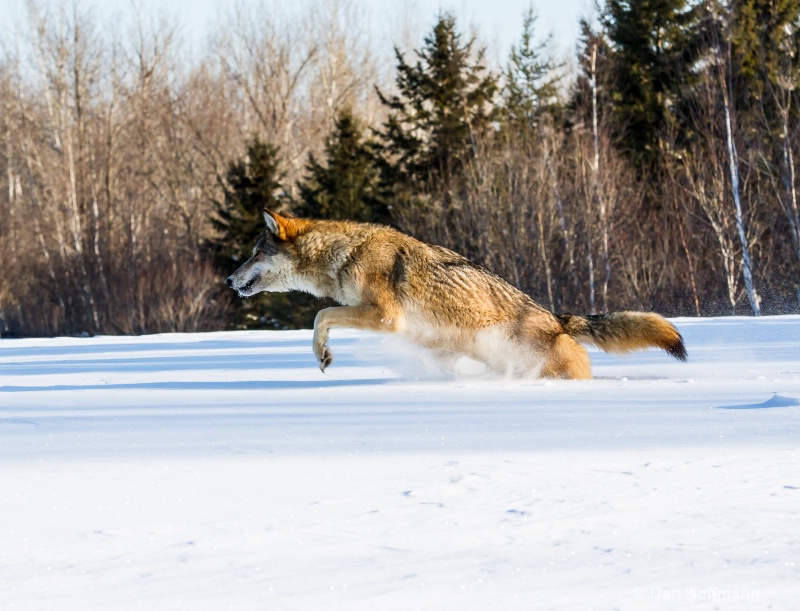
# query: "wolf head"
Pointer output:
{"type": "Point", "coordinates": [271, 266]}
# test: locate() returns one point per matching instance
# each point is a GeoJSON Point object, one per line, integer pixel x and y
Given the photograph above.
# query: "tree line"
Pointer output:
{"type": "Point", "coordinates": [659, 174]}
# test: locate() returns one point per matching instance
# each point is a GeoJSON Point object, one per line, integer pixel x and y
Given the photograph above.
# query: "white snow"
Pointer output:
{"type": "Point", "coordinates": [225, 471]}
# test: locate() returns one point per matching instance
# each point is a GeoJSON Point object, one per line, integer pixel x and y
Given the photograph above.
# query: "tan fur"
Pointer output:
{"type": "Point", "coordinates": [388, 281]}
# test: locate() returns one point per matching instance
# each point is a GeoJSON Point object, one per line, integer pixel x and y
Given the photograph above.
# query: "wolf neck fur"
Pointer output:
{"type": "Point", "coordinates": [321, 250]}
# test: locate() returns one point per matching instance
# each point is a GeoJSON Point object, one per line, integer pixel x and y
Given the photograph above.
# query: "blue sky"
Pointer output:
{"type": "Point", "coordinates": [498, 21]}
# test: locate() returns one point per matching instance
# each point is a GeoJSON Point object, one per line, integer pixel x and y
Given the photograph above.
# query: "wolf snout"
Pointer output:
{"type": "Point", "coordinates": [229, 281]}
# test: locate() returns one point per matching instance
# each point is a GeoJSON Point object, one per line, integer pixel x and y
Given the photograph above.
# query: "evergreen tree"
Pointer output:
{"type": "Point", "coordinates": [649, 41]}
{"type": "Point", "coordinates": [347, 186]}
{"type": "Point", "coordinates": [531, 78]}
{"type": "Point", "coordinates": [763, 34]}
{"type": "Point", "coordinates": [765, 47]}
{"type": "Point", "coordinates": [252, 184]}
{"type": "Point", "coordinates": [445, 99]}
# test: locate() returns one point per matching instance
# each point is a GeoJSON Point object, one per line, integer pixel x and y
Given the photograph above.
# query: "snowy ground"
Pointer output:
{"type": "Point", "coordinates": [224, 471]}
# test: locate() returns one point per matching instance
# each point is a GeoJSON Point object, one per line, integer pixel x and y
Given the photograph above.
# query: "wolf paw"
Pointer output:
{"type": "Point", "coordinates": [325, 358]}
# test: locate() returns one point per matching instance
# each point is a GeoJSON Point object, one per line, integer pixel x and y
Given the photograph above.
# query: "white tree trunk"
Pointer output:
{"type": "Point", "coordinates": [790, 206]}
{"type": "Point", "coordinates": [598, 191]}
{"type": "Point", "coordinates": [733, 164]}
{"type": "Point", "coordinates": [722, 65]}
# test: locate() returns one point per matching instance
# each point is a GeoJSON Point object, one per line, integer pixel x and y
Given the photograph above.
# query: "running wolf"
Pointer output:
{"type": "Point", "coordinates": [388, 281]}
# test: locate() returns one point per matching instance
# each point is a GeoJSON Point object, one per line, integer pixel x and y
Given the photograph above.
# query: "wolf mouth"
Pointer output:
{"type": "Point", "coordinates": [245, 290]}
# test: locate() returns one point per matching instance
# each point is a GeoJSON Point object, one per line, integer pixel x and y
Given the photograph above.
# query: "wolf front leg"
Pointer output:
{"type": "Point", "coordinates": [369, 317]}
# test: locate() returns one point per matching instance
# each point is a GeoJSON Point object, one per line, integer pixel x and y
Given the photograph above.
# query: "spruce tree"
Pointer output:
{"type": "Point", "coordinates": [531, 77]}
{"type": "Point", "coordinates": [649, 39]}
{"type": "Point", "coordinates": [765, 47]}
{"type": "Point", "coordinates": [347, 185]}
{"type": "Point", "coordinates": [445, 101]}
{"type": "Point", "coordinates": [252, 184]}
{"type": "Point", "coordinates": [764, 33]}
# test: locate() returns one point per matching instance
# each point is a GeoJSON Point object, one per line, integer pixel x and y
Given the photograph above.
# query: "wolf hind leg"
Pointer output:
{"type": "Point", "coordinates": [566, 359]}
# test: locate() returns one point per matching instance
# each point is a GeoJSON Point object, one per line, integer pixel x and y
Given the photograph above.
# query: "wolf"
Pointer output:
{"type": "Point", "coordinates": [388, 281]}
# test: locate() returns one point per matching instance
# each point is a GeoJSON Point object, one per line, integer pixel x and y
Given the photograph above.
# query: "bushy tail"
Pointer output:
{"type": "Point", "coordinates": [625, 331]}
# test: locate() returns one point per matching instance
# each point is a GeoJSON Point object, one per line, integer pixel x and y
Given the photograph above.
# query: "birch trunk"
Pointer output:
{"type": "Point", "coordinates": [598, 194]}
{"type": "Point", "coordinates": [789, 205]}
{"type": "Point", "coordinates": [723, 64]}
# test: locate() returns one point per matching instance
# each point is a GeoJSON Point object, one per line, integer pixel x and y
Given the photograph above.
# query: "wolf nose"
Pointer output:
{"type": "Point", "coordinates": [229, 282]}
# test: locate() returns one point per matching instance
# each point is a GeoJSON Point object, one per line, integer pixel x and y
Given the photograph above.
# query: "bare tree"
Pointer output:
{"type": "Point", "coordinates": [68, 56]}
{"type": "Point", "coordinates": [706, 179]}
{"type": "Point", "coordinates": [598, 189]}
{"type": "Point", "coordinates": [344, 73]}
{"type": "Point", "coordinates": [269, 58]}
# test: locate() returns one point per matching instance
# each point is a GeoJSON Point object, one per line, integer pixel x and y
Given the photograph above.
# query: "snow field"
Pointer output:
{"type": "Point", "coordinates": [224, 471]}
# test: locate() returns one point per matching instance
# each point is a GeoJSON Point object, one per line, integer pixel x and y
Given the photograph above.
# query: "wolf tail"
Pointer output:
{"type": "Point", "coordinates": [625, 331]}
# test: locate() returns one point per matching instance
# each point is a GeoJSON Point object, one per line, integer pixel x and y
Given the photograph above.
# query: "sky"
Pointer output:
{"type": "Point", "coordinates": [498, 22]}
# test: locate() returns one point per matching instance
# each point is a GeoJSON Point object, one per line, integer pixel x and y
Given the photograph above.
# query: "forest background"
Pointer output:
{"type": "Point", "coordinates": [653, 170]}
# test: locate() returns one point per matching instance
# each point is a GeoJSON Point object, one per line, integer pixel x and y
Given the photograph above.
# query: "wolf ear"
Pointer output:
{"type": "Point", "coordinates": [282, 228]}
{"type": "Point", "coordinates": [272, 224]}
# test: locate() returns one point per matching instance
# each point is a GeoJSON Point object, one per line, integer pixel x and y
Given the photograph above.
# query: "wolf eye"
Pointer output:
{"type": "Point", "coordinates": [264, 247]}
